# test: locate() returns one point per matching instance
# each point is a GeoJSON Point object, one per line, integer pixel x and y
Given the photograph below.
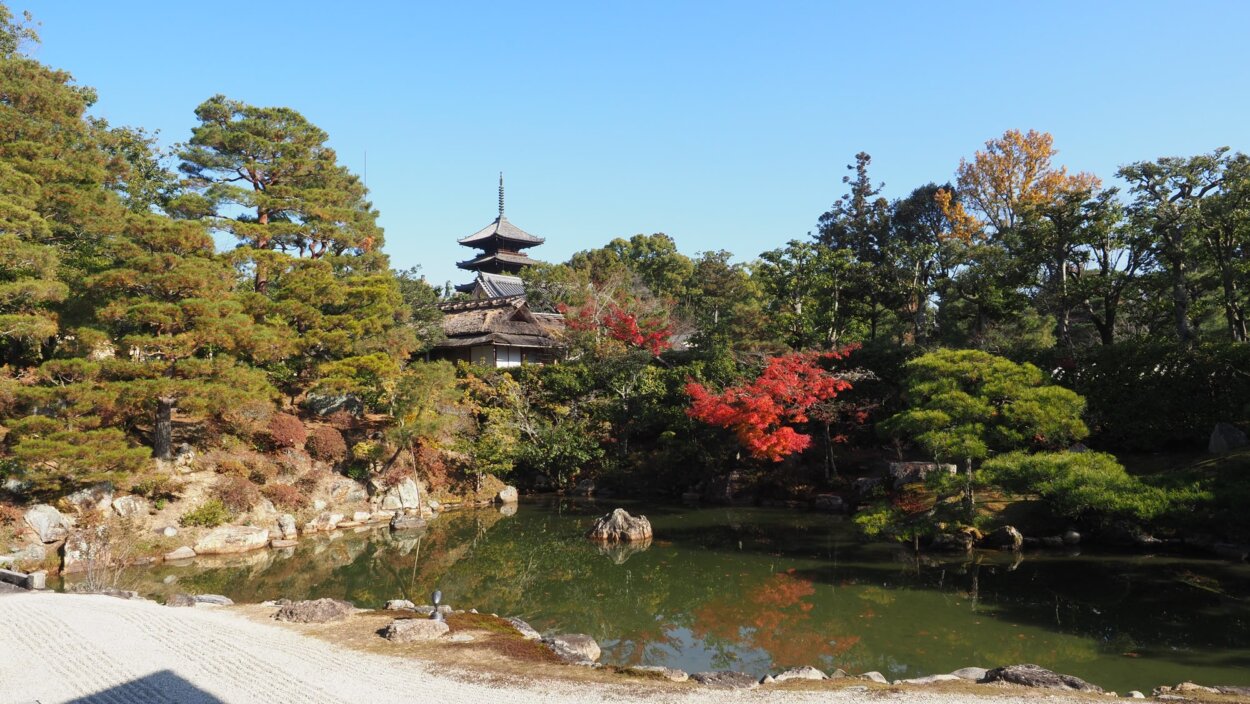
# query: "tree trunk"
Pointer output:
{"type": "Point", "coordinates": [969, 497]}
{"type": "Point", "coordinates": [163, 428]}
{"type": "Point", "coordinates": [831, 467]}
{"type": "Point", "coordinates": [1181, 302]}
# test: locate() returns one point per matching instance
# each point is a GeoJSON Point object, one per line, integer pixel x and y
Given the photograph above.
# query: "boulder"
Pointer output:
{"type": "Point", "coordinates": [397, 604]}
{"type": "Point", "coordinates": [412, 630]}
{"type": "Point", "coordinates": [324, 522]}
{"type": "Point", "coordinates": [180, 600]}
{"type": "Point", "coordinates": [831, 503]}
{"type": "Point", "coordinates": [1226, 437]}
{"type": "Point", "coordinates": [92, 498]}
{"type": "Point", "coordinates": [344, 490]}
{"type": "Point", "coordinates": [1185, 688]}
{"type": "Point", "coordinates": [214, 599]}
{"type": "Point", "coordinates": [231, 539]}
{"type": "Point", "coordinates": [664, 673]}
{"type": "Point", "coordinates": [901, 474]}
{"type": "Point", "coordinates": [726, 679]}
{"type": "Point", "coordinates": [573, 647]}
{"type": "Point", "coordinates": [507, 495]}
{"type": "Point", "coordinates": [976, 674]}
{"type": "Point", "coordinates": [1003, 538]}
{"type": "Point", "coordinates": [130, 505]}
{"type": "Point", "coordinates": [874, 676]}
{"type": "Point", "coordinates": [286, 527]}
{"type": "Point", "coordinates": [527, 631]}
{"type": "Point", "coordinates": [952, 542]}
{"type": "Point", "coordinates": [401, 521]}
{"type": "Point", "coordinates": [930, 679]}
{"type": "Point", "coordinates": [1071, 537]}
{"type": "Point", "coordinates": [1134, 694]}
{"type": "Point", "coordinates": [865, 488]}
{"type": "Point", "coordinates": [315, 611]}
{"type": "Point", "coordinates": [48, 523]}
{"type": "Point", "coordinates": [1037, 676]}
{"type": "Point", "coordinates": [182, 553]}
{"type": "Point", "coordinates": [800, 673]}
{"type": "Point", "coordinates": [408, 493]}
{"type": "Point", "coordinates": [361, 516]}
{"type": "Point", "coordinates": [326, 404]}
{"type": "Point", "coordinates": [169, 531]}
{"type": "Point", "coordinates": [620, 527]}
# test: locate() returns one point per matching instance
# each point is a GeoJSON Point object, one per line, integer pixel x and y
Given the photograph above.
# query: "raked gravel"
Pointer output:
{"type": "Point", "coordinates": [91, 649]}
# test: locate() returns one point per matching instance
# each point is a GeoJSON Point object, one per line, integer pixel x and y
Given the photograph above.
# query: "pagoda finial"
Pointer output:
{"type": "Point", "coordinates": [501, 194]}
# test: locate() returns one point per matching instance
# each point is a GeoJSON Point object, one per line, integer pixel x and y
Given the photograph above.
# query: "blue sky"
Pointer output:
{"type": "Point", "coordinates": [726, 125]}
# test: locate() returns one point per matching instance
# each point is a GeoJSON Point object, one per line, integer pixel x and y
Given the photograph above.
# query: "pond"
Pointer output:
{"type": "Point", "coordinates": [757, 590]}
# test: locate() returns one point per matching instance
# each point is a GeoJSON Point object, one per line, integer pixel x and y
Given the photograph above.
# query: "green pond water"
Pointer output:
{"type": "Point", "coordinates": [757, 590]}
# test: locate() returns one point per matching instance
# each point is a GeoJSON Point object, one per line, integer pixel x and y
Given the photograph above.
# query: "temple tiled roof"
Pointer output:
{"type": "Point", "coordinates": [503, 230]}
{"type": "Point", "coordinates": [504, 257]}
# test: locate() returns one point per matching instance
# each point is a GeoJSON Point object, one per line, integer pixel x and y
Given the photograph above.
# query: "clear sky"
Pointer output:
{"type": "Point", "coordinates": [726, 125]}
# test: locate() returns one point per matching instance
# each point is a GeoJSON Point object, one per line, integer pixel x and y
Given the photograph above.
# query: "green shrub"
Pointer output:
{"type": "Point", "coordinates": [209, 514]}
{"type": "Point", "coordinates": [1089, 486]}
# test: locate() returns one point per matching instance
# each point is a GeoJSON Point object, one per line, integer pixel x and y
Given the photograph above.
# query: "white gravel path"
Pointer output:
{"type": "Point", "coordinates": [57, 648]}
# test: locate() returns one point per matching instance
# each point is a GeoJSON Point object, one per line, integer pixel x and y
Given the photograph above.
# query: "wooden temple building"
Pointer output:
{"type": "Point", "coordinates": [494, 326]}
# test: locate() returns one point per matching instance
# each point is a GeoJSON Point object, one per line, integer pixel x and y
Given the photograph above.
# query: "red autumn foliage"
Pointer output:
{"type": "Point", "coordinates": [761, 413]}
{"type": "Point", "coordinates": [645, 332]}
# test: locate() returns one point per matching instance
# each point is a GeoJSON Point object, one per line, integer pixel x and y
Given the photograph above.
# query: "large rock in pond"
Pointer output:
{"type": "Point", "coordinates": [231, 539]}
{"type": "Point", "coordinates": [48, 523]}
{"type": "Point", "coordinates": [507, 495]}
{"type": "Point", "coordinates": [1038, 676]}
{"type": "Point", "coordinates": [315, 611]}
{"type": "Point", "coordinates": [1003, 538]}
{"type": "Point", "coordinates": [574, 647]}
{"type": "Point", "coordinates": [1226, 437]}
{"type": "Point", "coordinates": [412, 630]}
{"type": "Point", "coordinates": [620, 527]}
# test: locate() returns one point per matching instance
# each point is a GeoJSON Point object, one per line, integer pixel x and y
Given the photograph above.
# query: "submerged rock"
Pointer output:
{"type": "Point", "coordinates": [620, 527]}
{"type": "Point", "coordinates": [574, 647]}
{"type": "Point", "coordinates": [315, 611]}
{"type": "Point", "coordinates": [1037, 676]}
{"type": "Point", "coordinates": [412, 630]}
{"type": "Point", "coordinates": [725, 679]}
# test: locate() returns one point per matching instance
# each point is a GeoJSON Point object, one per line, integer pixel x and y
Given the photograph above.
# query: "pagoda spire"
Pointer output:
{"type": "Point", "coordinates": [501, 194]}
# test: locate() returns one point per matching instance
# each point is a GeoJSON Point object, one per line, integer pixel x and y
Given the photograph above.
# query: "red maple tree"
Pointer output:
{"type": "Point", "coordinates": [647, 332]}
{"type": "Point", "coordinates": [761, 413]}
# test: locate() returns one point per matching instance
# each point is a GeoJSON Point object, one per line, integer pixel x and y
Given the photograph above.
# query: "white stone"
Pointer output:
{"type": "Point", "coordinates": [361, 516]}
{"type": "Point", "coordinates": [130, 505]}
{"type": "Point", "coordinates": [409, 630]}
{"type": "Point", "coordinates": [801, 673]}
{"type": "Point", "coordinates": [169, 531]}
{"type": "Point", "coordinates": [508, 495]}
{"type": "Point", "coordinates": [182, 553]}
{"type": "Point", "coordinates": [48, 523]}
{"type": "Point", "coordinates": [286, 527]}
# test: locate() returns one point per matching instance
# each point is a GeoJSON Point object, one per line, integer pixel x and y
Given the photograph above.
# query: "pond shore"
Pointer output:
{"type": "Point", "coordinates": [62, 647]}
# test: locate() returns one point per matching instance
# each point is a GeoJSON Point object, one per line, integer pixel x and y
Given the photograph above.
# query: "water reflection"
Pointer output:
{"type": "Point", "coordinates": [757, 590]}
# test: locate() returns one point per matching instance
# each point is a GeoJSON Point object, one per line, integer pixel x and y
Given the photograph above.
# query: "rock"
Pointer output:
{"type": "Point", "coordinates": [180, 600]}
{"type": "Point", "coordinates": [81, 552]}
{"type": "Point", "coordinates": [326, 404]}
{"type": "Point", "coordinates": [169, 531]}
{"type": "Point", "coordinates": [929, 679]}
{"type": "Point", "coordinates": [507, 495]}
{"type": "Point", "coordinates": [665, 673]}
{"type": "Point", "coordinates": [214, 599]}
{"type": "Point", "coordinates": [1078, 447]}
{"type": "Point", "coordinates": [1235, 690]}
{"type": "Point", "coordinates": [286, 527]}
{"type": "Point", "coordinates": [585, 487]}
{"type": "Point", "coordinates": [434, 506]}
{"type": "Point", "coordinates": [951, 542]}
{"type": "Point", "coordinates": [182, 553]}
{"type": "Point", "coordinates": [412, 630]}
{"type": "Point", "coordinates": [901, 474]}
{"type": "Point", "coordinates": [1226, 437]}
{"type": "Point", "coordinates": [874, 676]}
{"type": "Point", "coordinates": [397, 604]}
{"type": "Point", "coordinates": [130, 505]}
{"type": "Point", "coordinates": [324, 522]}
{"type": "Point", "coordinates": [573, 647]}
{"type": "Point", "coordinates": [319, 505]}
{"type": "Point", "coordinates": [725, 679]}
{"type": "Point", "coordinates": [361, 516]}
{"type": "Point", "coordinates": [620, 527]}
{"type": "Point", "coordinates": [829, 502]}
{"type": "Point", "coordinates": [1037, 676]}
{"type": "Point", "coordinates": [1134, 694]}
{"type": "Point", "coordinates": [315, 611]}
{"type": "Point", "coordinates": [408, 493]}
{"type": "Point", "coordinates": [866, 488]}
{"type": "Point", "coordinates": [976, 674]}
{"type": "Point", "coordinates": [1071, 537]}
{"type": "Point", "coordinates": [344, 490]}
{"type": "Point", "coordinates": [730, 488]}
{"type": "Point", "coordinates": [1003, 538]}
{"type": "Point", "coordinates": [279, 543]}
{"type": "Point", "coordinates": [48, 523]}
{"type": "Point", "coordinates": [406, 522]}
{"type": "Point", "coordinates": [527, 631]}
{"type": "Point", "coordinates": [1052, 541]}
{"type": "Point", "coordinates": [1186, 688]}
{"type": "Point", "coordinates": [231, 539]}
{"type": "Point", "coordinates": [93, 498]}
{"type": "Point", "coordinates": [800, 673]}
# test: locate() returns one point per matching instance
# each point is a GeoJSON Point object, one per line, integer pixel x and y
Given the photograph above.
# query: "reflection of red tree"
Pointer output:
{"type": "Point", "coordinates": [774, 616]}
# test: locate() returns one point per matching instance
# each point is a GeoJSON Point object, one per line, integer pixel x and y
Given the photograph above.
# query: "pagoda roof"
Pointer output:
{"type": "Point", "coordinates": [501, 229]}
{"type": "Point", "coordinates": [501, 257]}
{"type": "Point", "coordinates": [495, 285]}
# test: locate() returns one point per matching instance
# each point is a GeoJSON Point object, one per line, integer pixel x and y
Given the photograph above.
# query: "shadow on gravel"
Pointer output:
{"type": "Point", "coordinates": [163, 687]}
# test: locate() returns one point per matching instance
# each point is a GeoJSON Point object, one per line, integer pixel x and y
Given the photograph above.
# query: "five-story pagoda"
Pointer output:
{"type": "Point", "coordinates": [501, 243]}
